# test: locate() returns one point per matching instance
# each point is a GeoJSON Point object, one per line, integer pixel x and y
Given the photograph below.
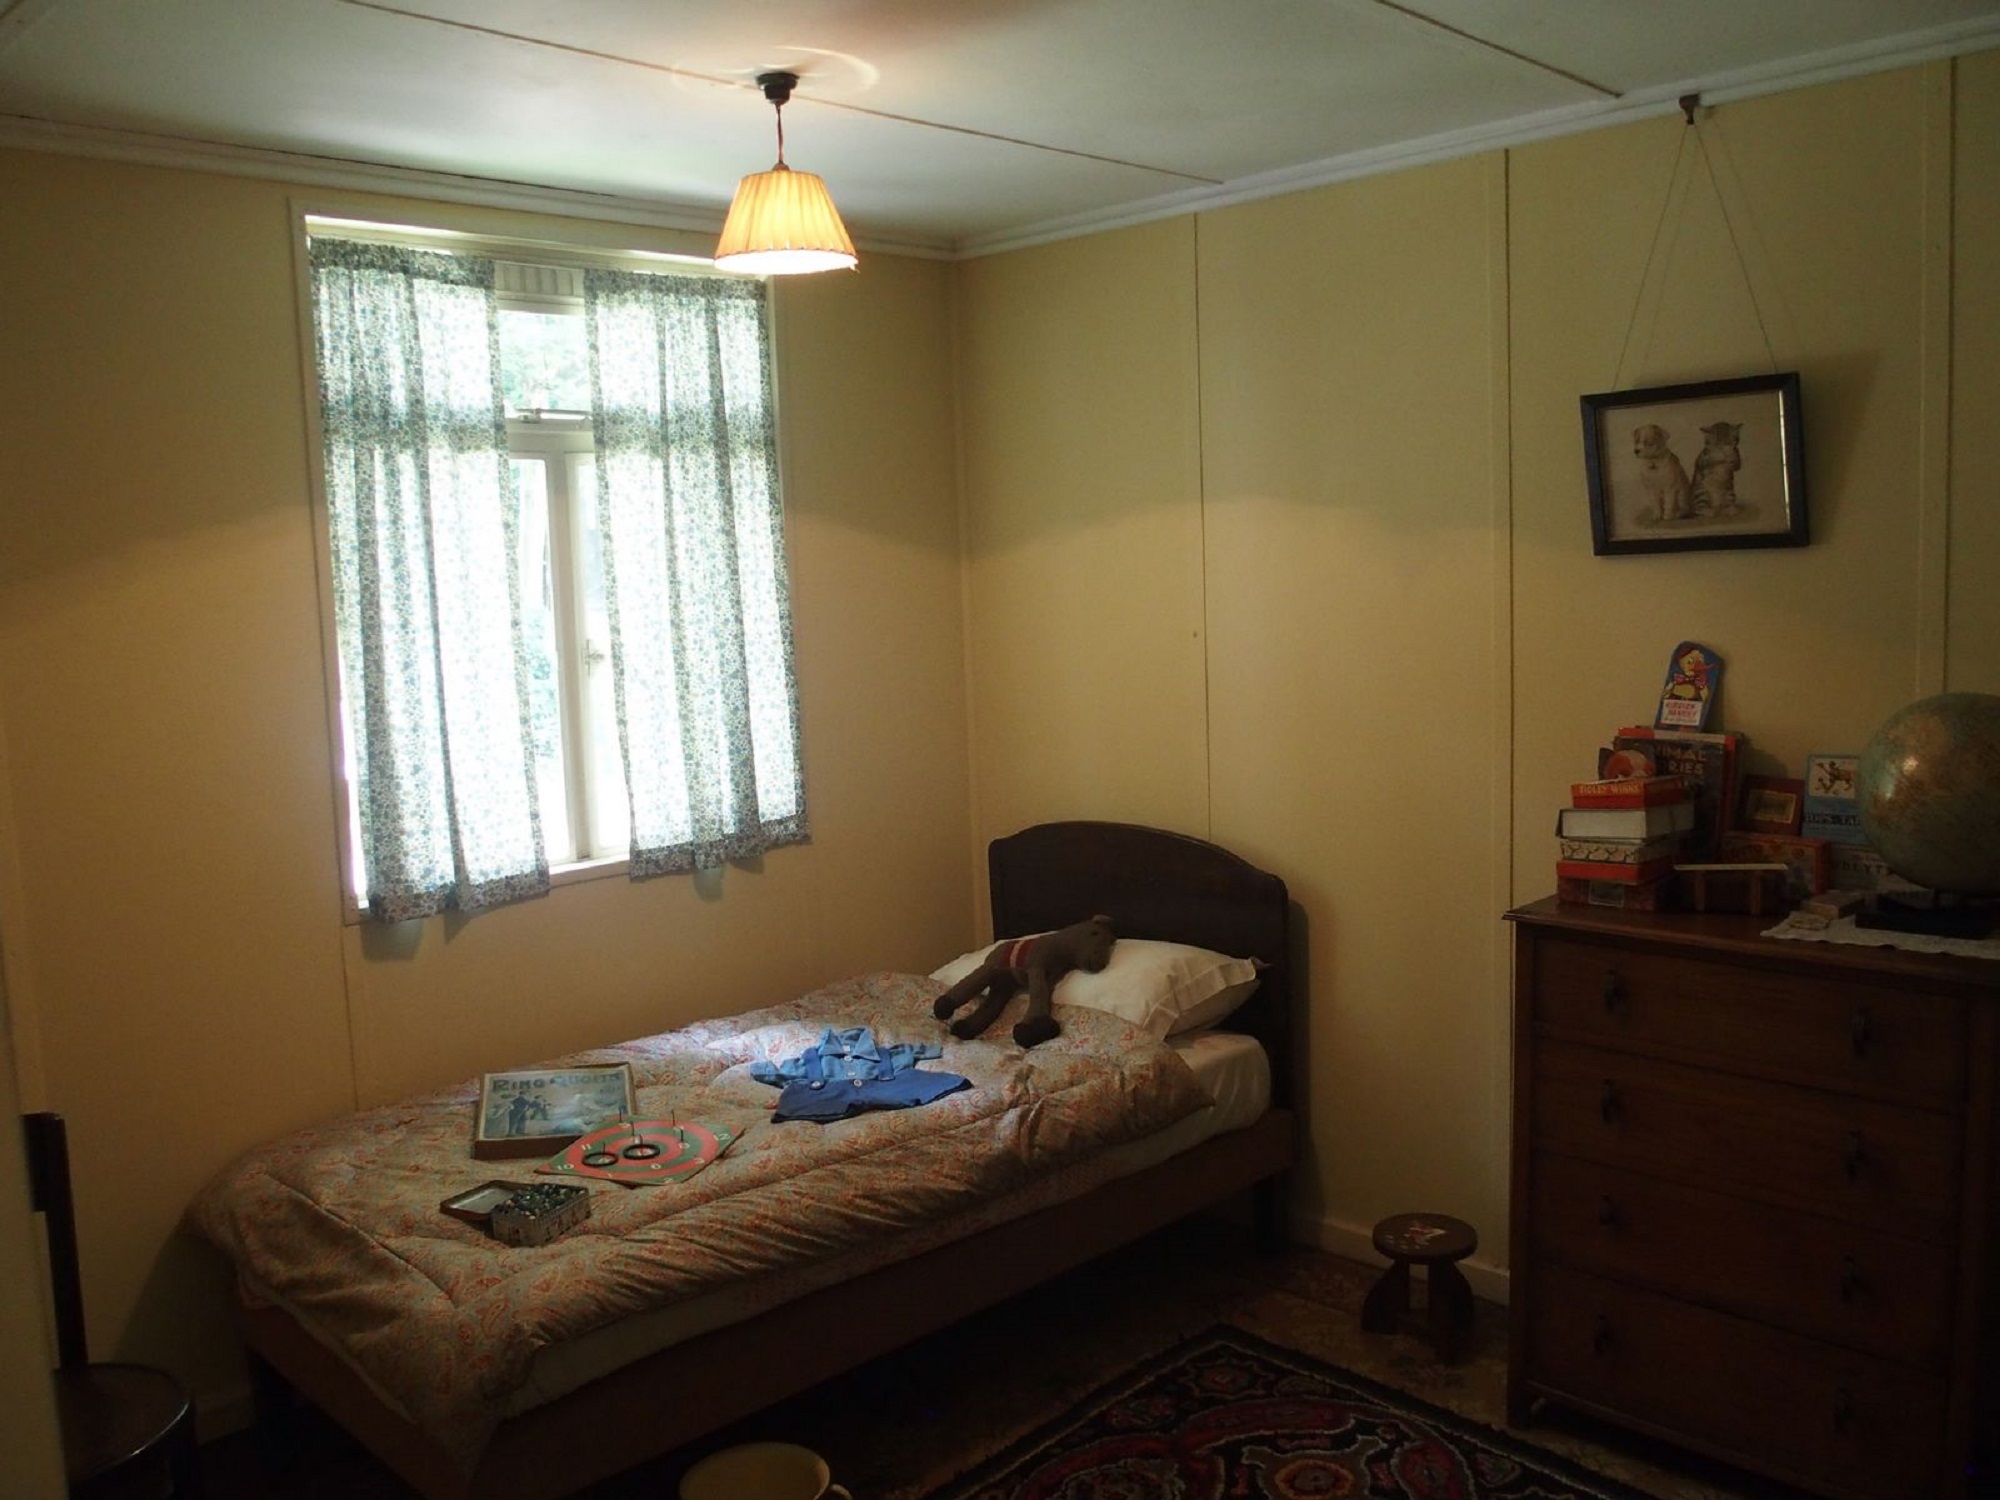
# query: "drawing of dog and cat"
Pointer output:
{"type": "Point", "coordinates": [1675, 495]}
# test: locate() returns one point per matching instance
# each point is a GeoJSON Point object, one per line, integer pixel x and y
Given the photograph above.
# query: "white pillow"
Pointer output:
{"type": "Point", "coordinates": [1162, 988]}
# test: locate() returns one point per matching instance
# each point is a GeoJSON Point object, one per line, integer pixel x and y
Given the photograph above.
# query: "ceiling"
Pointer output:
{"type": "Point", "coordinates": [942, 126]}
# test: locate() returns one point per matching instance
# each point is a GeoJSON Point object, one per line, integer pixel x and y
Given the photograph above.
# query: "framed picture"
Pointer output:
{"type": "Point", "coordinates": [1700, 467]}
{"type": "Point", "coordinates": [1832, 809]}
{"type": "Point", "coordinates": [1771, 804]}
{"type": "Point", "coordinates": [538, 1111]}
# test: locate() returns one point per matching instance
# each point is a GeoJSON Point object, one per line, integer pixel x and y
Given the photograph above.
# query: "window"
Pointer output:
{"type": "Point", "coordinates": [545, 376]}
{"type": "Point", "coordinates": [554, 540]}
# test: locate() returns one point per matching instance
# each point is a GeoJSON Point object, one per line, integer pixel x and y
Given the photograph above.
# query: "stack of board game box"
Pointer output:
{"type": "Point", "coordinates": [1617, 841]}
{"type": "Point", "coordinates": [1706, 759]}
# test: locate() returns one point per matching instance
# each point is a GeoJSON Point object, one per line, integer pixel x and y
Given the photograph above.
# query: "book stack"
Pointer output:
{"type": "Point", "coordinates": [1707, 760]}
{"type": "Point", "coordinates": [1617, 841]}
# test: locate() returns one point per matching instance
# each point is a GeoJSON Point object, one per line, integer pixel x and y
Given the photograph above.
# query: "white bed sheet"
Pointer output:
{"type": "Point", "coordinates": [1233, 1069]}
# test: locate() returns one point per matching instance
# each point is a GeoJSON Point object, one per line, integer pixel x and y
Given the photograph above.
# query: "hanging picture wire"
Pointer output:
{"type": "Point", "coordinates": [1690, 106]}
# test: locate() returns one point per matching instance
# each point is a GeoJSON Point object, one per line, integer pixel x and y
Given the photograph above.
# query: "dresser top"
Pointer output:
{"type": "Point", "coordinates": [1742, 937]}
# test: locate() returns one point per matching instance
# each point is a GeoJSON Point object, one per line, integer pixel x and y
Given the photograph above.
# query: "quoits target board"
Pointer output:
{"type": "Point", "coordinates": [637, 1152]}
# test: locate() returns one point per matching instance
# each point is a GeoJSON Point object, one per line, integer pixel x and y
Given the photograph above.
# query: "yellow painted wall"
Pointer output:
{"type": "Point", "coordinates": [27, 1400]}
{"type": "Point", "coordinates": [1826, 189]}
{"type": "Point", "coordinates": [1273, 530]}
{"type": "Point", "coordinates": [1083, 532]}
{"type": "Point", "coordinates": [1407, 649]}
{"type": "Point", "coordinates": [182, 981]}
{"type": "Point", "coordinates": [1348, 429]}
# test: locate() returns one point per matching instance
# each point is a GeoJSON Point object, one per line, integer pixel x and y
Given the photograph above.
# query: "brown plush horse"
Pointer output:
{"type": "Point", "coordinates": [1037, 962]}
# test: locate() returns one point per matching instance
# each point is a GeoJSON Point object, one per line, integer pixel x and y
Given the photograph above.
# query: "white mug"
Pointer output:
{"type": "Point", "coordinates": [762, 1471]}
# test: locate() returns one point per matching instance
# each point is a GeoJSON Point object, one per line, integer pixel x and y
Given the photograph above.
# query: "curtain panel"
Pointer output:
{"type": "Point", "coordinates": [424, 536]}
{"type": "Point", "coordinates": [692, 521]}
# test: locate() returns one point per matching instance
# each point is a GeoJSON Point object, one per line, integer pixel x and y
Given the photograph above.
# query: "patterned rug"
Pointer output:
{"type": "Point", "coordinates": [1229, 1416]}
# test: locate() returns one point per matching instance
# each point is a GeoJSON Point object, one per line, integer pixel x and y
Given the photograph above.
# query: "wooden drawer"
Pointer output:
{"type": "Point", "coordinates": [1826, 1417]}
{"type": "Point", "coordinates": [1861, 1288]}
{"type": "Point", "coordinates": [1855, 1160]}
{"type": "Point", "coordinates": [1846, 1035]}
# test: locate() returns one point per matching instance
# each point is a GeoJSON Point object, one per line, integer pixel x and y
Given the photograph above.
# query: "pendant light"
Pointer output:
{"type": "Point", "coordinates": [783, 222]}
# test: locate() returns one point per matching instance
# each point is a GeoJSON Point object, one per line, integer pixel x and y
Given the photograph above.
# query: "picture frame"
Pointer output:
{"type": "Point", "coordinates": [1702, 466]}
{"type": "Point", "coordinates": [538, 1111]}
{"type": "Point", "coordinates": [1771, 804]}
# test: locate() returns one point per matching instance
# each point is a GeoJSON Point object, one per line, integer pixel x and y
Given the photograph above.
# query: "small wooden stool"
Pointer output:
{"type": "Point", "coordinates": [1436, 1242]}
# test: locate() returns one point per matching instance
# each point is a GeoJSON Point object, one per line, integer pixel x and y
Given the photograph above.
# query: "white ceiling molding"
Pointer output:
{"type": "Point", "coordinates": [335, 170]}
{"type": "Point", "coordinates": [1724, 88]}
{"type": "Point", "coordinates": [25, 133]}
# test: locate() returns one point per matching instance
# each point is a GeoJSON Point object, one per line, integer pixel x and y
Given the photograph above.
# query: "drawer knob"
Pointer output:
{"type": "Point", "coordinates": [1600, 1336]}
{"type": "Point", "coordinates": [1608, 1103]}
{"type": "Point", "coordinates": [1852, 1282]}
{"type": "Point", "coordinates": [1607, 1212]}
{"type": "Point", "coordinates": [1614, 991]}
{"type": "Point", "coordinates": [1853, 1155]}
{"type": "Point", "coordinates": [1843, 1409]}
{"type": "Point", "coordinates": [1860, 1029]}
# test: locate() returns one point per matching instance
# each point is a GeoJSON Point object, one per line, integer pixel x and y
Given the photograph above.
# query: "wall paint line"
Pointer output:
{"type": "Point", "coordinates": [1201, 538]}
{"type": "Point", "coordinates": [962, 505]}
{"type": "Point", "coordinates": [353, 972]}
{"type": "Point", "coordinates": [1934, 421]}
{"type": "Point", "coordinates": [1500, 855]}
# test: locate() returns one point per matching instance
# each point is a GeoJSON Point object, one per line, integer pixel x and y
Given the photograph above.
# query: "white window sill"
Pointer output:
{"type": "Point", "coordinates": [589, 869]}
{"type": "Point", "coordinates": [572, 874]}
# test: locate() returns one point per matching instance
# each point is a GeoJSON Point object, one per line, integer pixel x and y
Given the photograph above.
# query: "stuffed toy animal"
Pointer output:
{"type": "Point", "coordinates": [1037, 962]}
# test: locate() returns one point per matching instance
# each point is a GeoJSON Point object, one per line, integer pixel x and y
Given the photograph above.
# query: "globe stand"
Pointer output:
{"type": "Point", "coordinates": [1938, 915]}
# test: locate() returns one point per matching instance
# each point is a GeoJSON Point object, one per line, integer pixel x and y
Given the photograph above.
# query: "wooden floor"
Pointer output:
{"type": "Point", "coordinates": [903, 1424]}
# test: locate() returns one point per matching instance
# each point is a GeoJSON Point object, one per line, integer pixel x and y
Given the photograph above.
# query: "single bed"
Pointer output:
{"type": "Point", "coordinates": [1048, 1159]}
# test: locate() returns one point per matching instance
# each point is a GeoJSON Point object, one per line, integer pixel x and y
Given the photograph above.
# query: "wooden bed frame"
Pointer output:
{"type": "Point", "coordinates": [1154, 885]}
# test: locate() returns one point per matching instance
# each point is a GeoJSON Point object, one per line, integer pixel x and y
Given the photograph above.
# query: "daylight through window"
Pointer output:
{"type": "Point", "coordinates": [554, 534]}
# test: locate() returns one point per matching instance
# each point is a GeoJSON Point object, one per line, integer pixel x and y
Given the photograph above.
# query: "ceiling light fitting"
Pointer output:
{"type": "Point", "coordinates": [783, 222]}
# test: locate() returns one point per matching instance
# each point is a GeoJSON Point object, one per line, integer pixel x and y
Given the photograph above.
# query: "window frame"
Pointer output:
{"type": "Point", "coordinates": [344, 222]}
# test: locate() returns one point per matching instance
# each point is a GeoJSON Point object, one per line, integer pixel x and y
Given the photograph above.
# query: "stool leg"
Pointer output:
{"type": "Point", "coordinates": [1451, 1310]}
{"type": "Point", "coordinates": [1388, 1300]}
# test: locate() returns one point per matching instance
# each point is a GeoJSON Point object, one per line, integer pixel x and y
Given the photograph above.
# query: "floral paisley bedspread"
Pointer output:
{"type": "Point", "coordinates": [340, 1222]}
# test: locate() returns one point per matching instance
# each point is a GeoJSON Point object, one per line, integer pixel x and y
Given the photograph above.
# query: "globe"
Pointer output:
{"type": "Point", "coordinates": [1928, 791]}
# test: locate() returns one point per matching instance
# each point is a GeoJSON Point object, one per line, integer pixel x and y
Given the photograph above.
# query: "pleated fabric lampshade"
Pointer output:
{"type": "Point", "coordinates": [783, 222]}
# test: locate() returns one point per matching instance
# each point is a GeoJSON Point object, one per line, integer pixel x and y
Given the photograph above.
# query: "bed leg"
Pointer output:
{"type": "Point", "coordinates": [1269, 1214]}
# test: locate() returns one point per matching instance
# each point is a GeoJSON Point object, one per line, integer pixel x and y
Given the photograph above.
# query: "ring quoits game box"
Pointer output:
{"type": "Point", "coordinates": [521, 1213]}
{"type": "Point", "coordinates": [536, 1215]}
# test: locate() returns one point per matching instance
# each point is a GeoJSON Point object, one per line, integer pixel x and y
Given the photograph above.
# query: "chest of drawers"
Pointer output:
{"type": "Point", "coordinates": [1756, 1197]}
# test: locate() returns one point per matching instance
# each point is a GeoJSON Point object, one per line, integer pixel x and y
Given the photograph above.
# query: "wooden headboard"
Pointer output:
{"type": "Point", "coordinates": [1154, 884]}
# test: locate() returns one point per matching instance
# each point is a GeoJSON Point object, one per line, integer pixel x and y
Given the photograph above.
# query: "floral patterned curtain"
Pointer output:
{"type": "Point", "coordinates": [695, 567]}
{"type": "Point", "coordinates": [426, 585]}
